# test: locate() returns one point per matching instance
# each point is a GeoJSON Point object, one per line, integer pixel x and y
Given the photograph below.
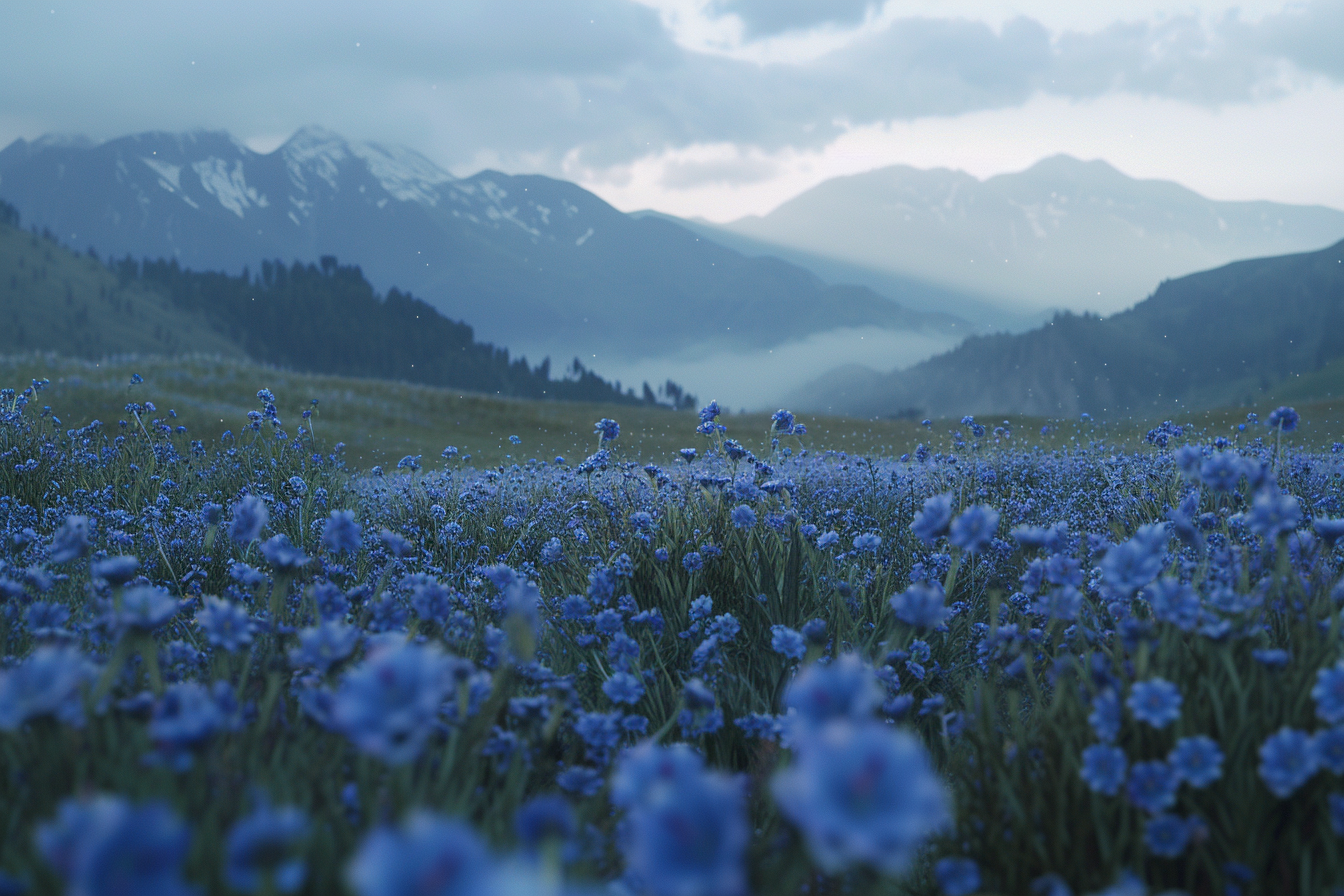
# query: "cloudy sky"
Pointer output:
{"type": "Point", "coordinates": [716, 108]}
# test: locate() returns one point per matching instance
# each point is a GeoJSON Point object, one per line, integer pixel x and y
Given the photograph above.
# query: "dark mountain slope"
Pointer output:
{"type": "Point", "coordinates": [1217, 337]}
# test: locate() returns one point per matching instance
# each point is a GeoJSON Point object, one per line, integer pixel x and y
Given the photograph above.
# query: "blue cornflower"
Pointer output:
{"type": "Point", "coordinates": [263, 847]}
{"type": "Point", "coordinates": [1283, 419]}
{"type": "Point", "coordinates": [826, 539]}
{"type": "Point", "coordinates": [696, 695]}
{"type": "Point", "coordinates": [1104, 768]}
{"type": "Point", "coordinates": [212, 513]}
{"type": "Point", "coordinates": [118, 570]}
{"type": "Point", "coordinates": [1166, 835]}
{"type": "Point", "coordinates": [844, 687]}
{"type": "Point", "coordinates": [862, 792]}
{"type": "Point", "coordinates": [388, 705]}
{"type": "Point", "coordinates": [1197, 760]}
{"type": "Point", "coordinates": [1155, 701]}
{"type": "Point", "coordinates": [552, 552]}
{"type": "Point", "coordinates": [933, 520]}
{"type": "Point", "coordinates": [608, 429]}
{"type": "Point", "coordinates": [920, 605]}
{"type": "Point", "coordinates": [1064, 602]}
{"type": "Point", "coordinates": [249, 518]}
{"type": "Point", "coordinates": [622, 687]}
{"type": "Point", "coordinates": [1130, 565]}
{"type": "Point", "coordinates": [1221, 471]}
{"type": "Point", "coordinates": [1329, 530]}
{"type": "Point", "coordinates": [686, 828]}
{"type": "Point", "coordinates": [331, 601]}
{"type": "Point", "coordinates": [781, 422]}
{"type": "Point", "coordinates": [743, 517]}
{"type": "Point", "coordinates": [429, 854]}
{"type": "Point", "coordinates": [1152, 786]}
{"type": "Point", "coordinates": [787, 641]}
{"type": "Point", "coordinates": [1287, 760]}
{"type": "Point", "coordinates": [693, 562]}
{"type": "Point", "coordinates": [431, 601]}
{"type": "Point", "coordinates": [1105, 715]}
{"type": "Point", "coordinates": [71, 541]}
{"type": "Point", "coordinates": [1329, 747]}
{"type": "Point", "coordinates": [323, 646]}
{"type": "Point", "coordinates": [687, 454]}
{"type": "Point", "coordinates": [1174, 602]}
{"type": "Point", "coordinates": [580, 779]}
{"type": "Point", "coordinates": [395, 543]}
{"type": "Point", "coordinates": [974, 528]}
{"type": "Point", "coordinates": [1273, 513]}
{"type": "Point", "coordinates": [47, 682]}
{"type": "Point", "coordinates": [226, 624]}
{"type": "Point", "coordinates": [285, 558]}
{"type": "Point", "coordinates": [957, 877]}
{"type": "Point", "coordinates": [342, 532]}
{"type": "Point", "coordinates": [867, 541]}
{"type": "Point", "coordinates": [1328, 692]}
{"type": "Point", "coordinates": [542, 818]}
{"type": "Point", "coordinates": [1272, 657]}
{"type": "Point", "coordinates": [709, 412]}
{"type": "Point", "coordinates": [145, 607]}
{"type": "Point", "coordinates": [105, 846]}
{"type": "Point", "coordinates": [186, 715]}
{"type": "Point", "coordinates": [46, 620]}
{"type": "Point", "coordinates": [600, 733]}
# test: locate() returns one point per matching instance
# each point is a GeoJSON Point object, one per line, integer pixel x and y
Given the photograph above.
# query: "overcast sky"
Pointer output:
{"type": "Point", "coordinates": [717, 108]}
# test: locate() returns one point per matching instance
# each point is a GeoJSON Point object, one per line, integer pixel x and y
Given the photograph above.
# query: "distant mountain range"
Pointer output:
{"type": "Point", "coordinates": [1245, 330]}
{"type": "Point", "coordinates": [1064, 234]}
{"type": "Point", "coordinates": [537, 264]}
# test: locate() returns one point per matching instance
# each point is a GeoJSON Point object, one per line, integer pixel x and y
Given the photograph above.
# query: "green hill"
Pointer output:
{"type": "Point", "coordinates": [1234, 335]}
{"type": "Point", "coordinates": [320, 319]}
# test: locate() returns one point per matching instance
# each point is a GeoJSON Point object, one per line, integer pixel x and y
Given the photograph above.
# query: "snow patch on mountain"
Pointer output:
{"type": "Point", "coordinates": [403, 173]}
{"type": "Point", "coordinates": [229, 187]}
{"type": "Point", "coordinates": [169, 175]}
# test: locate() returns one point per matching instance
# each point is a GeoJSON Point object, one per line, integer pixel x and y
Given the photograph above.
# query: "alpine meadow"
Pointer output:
{"type": "Point", "coordinates": [418, 513]}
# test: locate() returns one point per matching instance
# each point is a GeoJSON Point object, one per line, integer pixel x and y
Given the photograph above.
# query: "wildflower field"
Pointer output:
{"type": "Point", "coordinates": [983, 664]}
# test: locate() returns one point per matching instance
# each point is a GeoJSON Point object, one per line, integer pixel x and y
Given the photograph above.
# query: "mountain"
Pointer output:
{"type": "Point", "coordinates": [535, 263]}
{"type": "Point", "coordinates": [325, 319]}
{"type": "Point", "coordinates": [1268, 326]}
{"type": "Point", "coordinates": [1064, 234]}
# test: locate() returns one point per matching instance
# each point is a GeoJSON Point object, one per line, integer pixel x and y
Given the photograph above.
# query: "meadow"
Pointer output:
{"type": "Point", "coordinates": [636, 651]}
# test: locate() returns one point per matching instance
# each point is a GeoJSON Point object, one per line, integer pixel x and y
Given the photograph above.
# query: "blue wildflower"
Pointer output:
{"type": "Point", "coordinates": [1105, 715]}
{"type": "Point", "coordinates": [693, 562]}
{"type": "Point", "coordinates": [1130, 565]}
{"type": "Point", "coordinates": [743, 517]}
{"type": "Point", "coordinates": [1328, 692]}
{"type": "Point", "coordinates": [226, 624]}
{"type": "Point", "coordinates": [1166, 835]}
{"type": "Point", "coordinates": [957, 877]}
{"type": "Point", "coordinates": [1155, 701]}
{"type": "Point", "coordinates": [285, 558]}
{"type": "Point", "coordinates": [580, 779]}
{"type": "Point", "coordinates": [867, 541]}
{"type": "Point", "coordinates": [388, 705]}
{"type": "Point", "coordinates": [844, 688]}
{"type": "Point", "coordinates": [145, 607]}
{"type": "Point", "coordinates": [552, 552]}
{"type": "Point", "coordinates": [395, 544]}
{"type": "Point", "coordinates": [1174, 602]}
{"type": "Point", "coordinates": [428, 854]}
{"type": "Point", "coordinates": [1104, 768]}
{"type": "Point", "coordinates": [787, 641]}
{"type": "Point", "coordinates": [1335, 802]}
{"type": "Point", "coordinates": [1152, 786]}
{"type": "Point", "coordinates": [686, 832]}
{"type": "Point", "coordinates": [249, 518]}
{"type": "Point", "coordinates": [71, 541]}
{"type": "Point", "coordinates": [826, 539]}
{"type": "Point", "coordinates": [1197, 760]}
{"type": "Point", "coordinates": [920, 605]}
{"type": "Point", "coordinates": [1283, 419]}
{"type": "Point", "coordinates": [323, 646]}
{"type": "Point", "coordinates": [342, 532]}
{"type": "Point", "coordinates": [47, 682]}
{"type": "Point", "coordinates": [622, 687]}
{"type": "Point", "coordinates": [974, 528]}
{"type": "Point", "coordinates": [116, 571]}
{"type": "Point", "coordinates": [607, 429]}
{"type": "Point", "coordinates": [1273, 513]}
{"type": "Point", "coordinates": [781, 422]}
{"type": "Point", "coordinates": [862, 792]}
{"type": "Point", "coordinates": [1329, 747]}
{"type": "Point", "coordinates": [933, 520]}
{"type": "Point", "coordinates": [543, 818]}
{"type": "Point", "coordinates": [106, 845]}
{"type": "Point", "coordinates": [1287, 760]}
{"type": "Point", "coordinates": [261, 851]}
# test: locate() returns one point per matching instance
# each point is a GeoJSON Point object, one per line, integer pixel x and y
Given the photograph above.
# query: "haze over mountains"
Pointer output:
{"type": "Point", "coordinates": [1241, 333]}
{"type": "Point", "coordinates": [539, 265]}
{"type": "Point", "coordinates": [1063, 234]}
{"type": "Point", "coordinates": [874, 272]}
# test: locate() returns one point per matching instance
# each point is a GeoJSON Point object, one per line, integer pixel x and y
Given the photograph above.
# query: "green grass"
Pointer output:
{"type": "Point", "coordinates": [382, 421]}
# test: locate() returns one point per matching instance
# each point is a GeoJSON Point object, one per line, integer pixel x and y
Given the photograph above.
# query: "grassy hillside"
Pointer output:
{"type": "Point", "coordinates": [53, 299]}
{"type": "Point", "coordinates": [382, 421]}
